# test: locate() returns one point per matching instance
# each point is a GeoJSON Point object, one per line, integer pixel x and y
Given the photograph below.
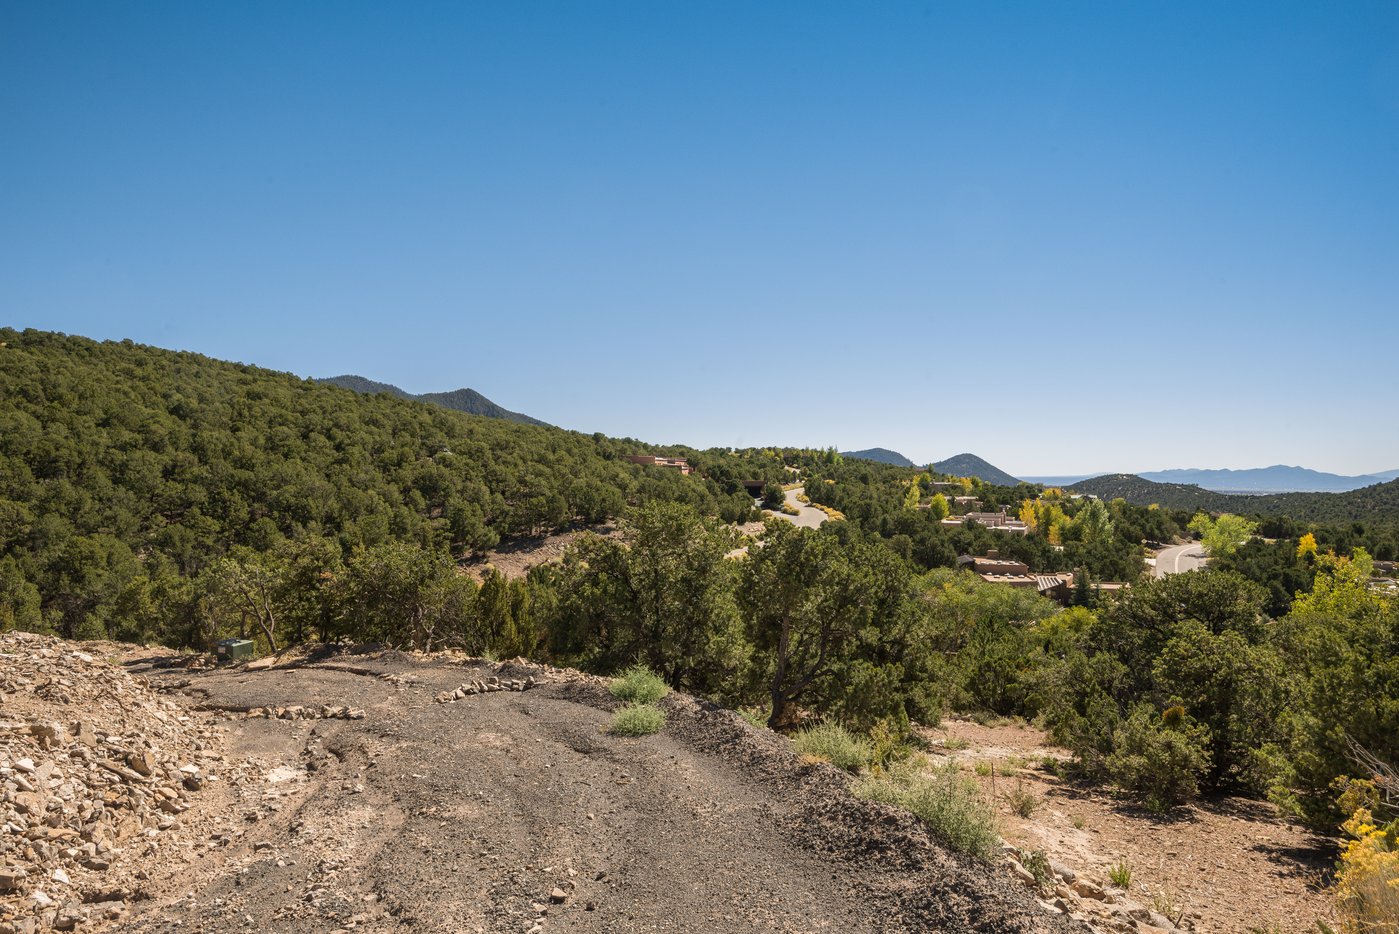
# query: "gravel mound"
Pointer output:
{"type": "Point", "coordinates": [97, 771]}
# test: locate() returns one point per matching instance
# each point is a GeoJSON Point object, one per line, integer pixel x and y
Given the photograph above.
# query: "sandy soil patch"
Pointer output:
{"type": "Point", "coordinates": [516, 558]}
{"type": "Point", "coordinates": [1228, 864]}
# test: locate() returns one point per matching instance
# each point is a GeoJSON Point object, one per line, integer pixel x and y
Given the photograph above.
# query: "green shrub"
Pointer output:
{"type": "Point", "coordinates": [1158, 762]}
{"type": "Point", "coordinates": [1022, 802]}
{"type": "Point", "coordinates": [890, 743]}
{"type": "Point", "coordinates": [637, 720]}
{"type": "Point", "coordinates": [832, 743]}
{"type": "Point", "coordinates": [1038, 866]}
{"type": "Point", "coordinates": [944, 799]}
{"type": "Point", "coordinates": [1121, 875]}
{"type": "Point", "coordinates": [756, 718]}
{"type": "Point", "coordinates": [639, 685]}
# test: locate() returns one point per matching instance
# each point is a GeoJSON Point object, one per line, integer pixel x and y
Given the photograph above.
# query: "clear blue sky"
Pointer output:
{"type": "Point", "coordinates": [1067, 237]}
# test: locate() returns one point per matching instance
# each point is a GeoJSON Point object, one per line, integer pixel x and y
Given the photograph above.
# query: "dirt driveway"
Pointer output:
{"type": "Point", "coordinates": [808, 517]}
{"type": "Point", "coordinates": [515, 811]}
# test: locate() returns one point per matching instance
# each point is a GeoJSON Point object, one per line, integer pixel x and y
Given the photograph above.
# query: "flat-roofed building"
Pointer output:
{"type": "Point", "coordinates": [992, 563]}
{"type": "Point", "coordinates": [651, 460]}
{"type": "Point", "coordinates": [997, 521]}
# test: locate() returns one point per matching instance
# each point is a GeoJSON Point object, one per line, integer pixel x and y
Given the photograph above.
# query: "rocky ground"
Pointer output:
{"type": "Point", "coordinates": [375, 792]}
{"type": "Point", "coordinates": [1224, 865]}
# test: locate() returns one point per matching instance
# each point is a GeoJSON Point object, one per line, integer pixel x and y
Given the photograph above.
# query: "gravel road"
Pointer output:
{"type": "Point", "coordinates": [515, 811]}
{"type": "Point", "coordinates": [808, 517]}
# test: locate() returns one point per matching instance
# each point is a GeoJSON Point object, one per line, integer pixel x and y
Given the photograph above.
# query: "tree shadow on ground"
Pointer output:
{"type": "Point", "coordinates": [1313, 862]}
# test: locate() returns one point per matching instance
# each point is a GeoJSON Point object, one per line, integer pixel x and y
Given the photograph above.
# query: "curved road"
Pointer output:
{"type": "Point", "coordinates": [808, 517]}
{"type": "Point", "coordinates": [1179, 559]}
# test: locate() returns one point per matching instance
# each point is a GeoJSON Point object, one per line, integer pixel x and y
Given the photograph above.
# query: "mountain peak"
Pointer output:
{"type": "Point", "coordinates": [458, 400]}
{"type": "Point", "coordinates": [880, 455]}
{"type": "Point", "coordinates": [969, 465]}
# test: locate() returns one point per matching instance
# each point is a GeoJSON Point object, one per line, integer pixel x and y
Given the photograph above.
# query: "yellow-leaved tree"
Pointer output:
{"type": "Point", "coordinates": [938, 507]}
{"type": "Point", "coordinates": [1306, 545]}
{"type": "Point", "coordinates": [1029, 515]}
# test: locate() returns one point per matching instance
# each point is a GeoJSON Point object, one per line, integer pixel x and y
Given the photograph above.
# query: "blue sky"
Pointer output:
{"type": "Point", "coordinates": [1067, 237]}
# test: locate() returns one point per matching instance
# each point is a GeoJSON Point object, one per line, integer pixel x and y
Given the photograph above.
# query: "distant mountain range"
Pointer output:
{"type": "Point", "coordinates": [1276, 479]}
{"type": "Point", "coordinates": [969, 465]}
{"type": "Point", "coordinates": [1370, 502]}
{"type": "Point", "coordinates": [1061, 480]}
{"type": "Point", "coordinates": [1191, 488]}
{"type": "Point", "coordinates": [460, 400]}
{"type": "Point", "coordinates": [880, 455]}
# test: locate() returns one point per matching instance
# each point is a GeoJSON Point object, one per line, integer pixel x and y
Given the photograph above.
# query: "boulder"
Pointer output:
{"type": "Point", "coordinates": [1085, 889]}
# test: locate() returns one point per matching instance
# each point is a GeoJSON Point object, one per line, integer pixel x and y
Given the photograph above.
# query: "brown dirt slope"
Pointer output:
{"type": "Point", "coordinates": [515, 811]}
{"type": "Point", "coordinates": [1223, 865]}
{"type": "Point", "coordinates": [515, 559]}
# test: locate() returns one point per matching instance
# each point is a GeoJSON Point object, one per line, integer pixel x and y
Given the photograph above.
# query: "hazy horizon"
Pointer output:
{"type": "Point", "coordinates": [1059, 238]}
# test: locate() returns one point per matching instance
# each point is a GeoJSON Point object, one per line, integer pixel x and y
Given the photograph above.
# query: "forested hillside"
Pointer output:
{"type": "Point", "coordinates": [880, 456]}
{"type": "Point", "coordinates": [123, 466]}
{"type": "Point", "coordinates": [969, 465]}
{"type": "Point", "coordinates": [1372, 503]}
{"type": "Point", "coordinates": [459, 400]}
{"type": "Point", "coordinates": [1143, 492]}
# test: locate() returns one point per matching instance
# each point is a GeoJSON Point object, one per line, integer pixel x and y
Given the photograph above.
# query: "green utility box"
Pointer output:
{"type": "Point", "coordinates": [229, 651]}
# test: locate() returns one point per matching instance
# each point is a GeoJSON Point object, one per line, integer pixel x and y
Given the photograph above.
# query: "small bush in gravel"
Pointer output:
{"type": "Point", "coordinates": [1121, 875]}
{"type": "Point", "coordinates": [832, 743]}
{"type": "Point", "coordinates": [1022, 802]}
{"type": "Point", "coordinates": [639, 685]}
{"type": "Point", "coordinates": [637, 720]}
{"type": "Point", "coordinates": [944, 799]}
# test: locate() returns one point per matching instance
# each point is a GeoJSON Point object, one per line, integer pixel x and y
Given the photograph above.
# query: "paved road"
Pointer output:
{"type": "Point", "coordinates": [808, 517]}
{"type": "Point", "coordinates": [1179, 559]}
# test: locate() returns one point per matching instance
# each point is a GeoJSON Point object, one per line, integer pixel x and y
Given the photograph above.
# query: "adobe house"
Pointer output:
{"type": "Point", "coordinates": [651, 460]}
{"type": "Point", "coordinates": [993, 563]}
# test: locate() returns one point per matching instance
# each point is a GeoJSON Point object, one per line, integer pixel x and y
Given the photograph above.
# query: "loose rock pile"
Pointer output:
{"type": "Point", "coordinates": [95, 768]}
{"type": "Point", "coordinates": [1105, 908]}
{"type": "Point", "coordinates": [493, 683]}
{"type": "Point", "coordinates": [326, 712]}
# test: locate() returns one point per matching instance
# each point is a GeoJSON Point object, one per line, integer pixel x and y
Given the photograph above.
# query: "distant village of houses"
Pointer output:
{"type": "Point", "coordinates": [990, 567]}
